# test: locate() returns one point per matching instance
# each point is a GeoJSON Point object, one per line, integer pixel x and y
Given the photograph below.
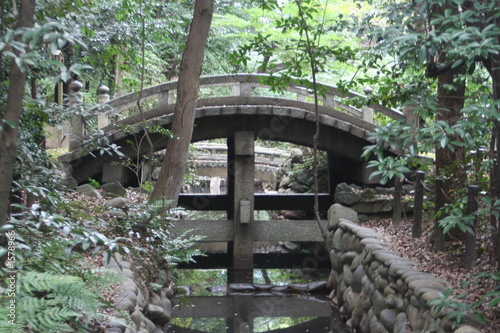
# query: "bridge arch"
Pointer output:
{"type": "Point", "coordinates": [342, 135]}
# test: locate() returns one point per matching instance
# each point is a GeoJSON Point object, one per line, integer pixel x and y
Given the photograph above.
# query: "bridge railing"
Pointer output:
{"type": "Point", "coordinates": [243, 85]}
{"type": "Point", "coordinates": [240, 85]}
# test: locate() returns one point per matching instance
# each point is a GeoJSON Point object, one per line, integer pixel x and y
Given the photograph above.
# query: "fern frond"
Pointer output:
{"type": "Point", "coordinates": [49, 302]}
{"type": "Point", "coordinates": [101, 279]}
{"type": "Point", "coordinates": [31, 282]}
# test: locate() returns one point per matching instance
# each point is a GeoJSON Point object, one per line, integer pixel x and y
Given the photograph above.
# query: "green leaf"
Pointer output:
{"type": "Point", "coordinates": [6, 227]}
{"type": "Point", "coordinates": [444, 141]}
{"type": "Point", "coordinates": [78, 68]}
{"type": "Point", "coordinates": [9, 123]}
{"type": "Point", "coordinates": [85, 245]}
{"type": "Point", "coordinates": [494, 302]}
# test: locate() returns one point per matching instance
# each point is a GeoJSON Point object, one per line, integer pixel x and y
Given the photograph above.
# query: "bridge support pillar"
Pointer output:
{"type": "Point", "coordinates": [241, 174]}
{"type": "Point", "coordinates": [343, 170]}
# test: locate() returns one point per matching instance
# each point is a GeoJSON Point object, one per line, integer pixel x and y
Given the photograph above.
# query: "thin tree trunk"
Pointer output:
{"type": "Point", "coordinates": [470, 254]}
{"type": "Point", "coordinates": [396, 201]}
{"type": "Point", "coordinates": [10, 119]}
{"type": "Point", "coordinates": [418, 205]}
{"type": "Point", "coordinates": [172, 172]}
{"type": "Point", "coordinates": [439, 203]}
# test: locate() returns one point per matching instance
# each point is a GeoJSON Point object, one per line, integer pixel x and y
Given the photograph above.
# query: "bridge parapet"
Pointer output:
{"type": "Point", "coordinates": [241, 85]}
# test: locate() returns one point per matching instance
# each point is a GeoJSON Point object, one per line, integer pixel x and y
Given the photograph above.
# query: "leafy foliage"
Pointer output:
{"type": "Point", "coordinates": [49, 302]}
{"type": "Point", "coordinates": [456, 309]}
{"type": "Point", "coordinates": [148, 228]}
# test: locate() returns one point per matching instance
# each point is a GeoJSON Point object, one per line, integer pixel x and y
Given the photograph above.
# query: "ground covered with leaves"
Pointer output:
{"type": "Point", "coordinates": [468, 284]}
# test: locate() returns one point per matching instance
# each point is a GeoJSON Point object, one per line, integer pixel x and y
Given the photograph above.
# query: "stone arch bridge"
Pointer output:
{"type": "Point", "coordinates": [243, 110]}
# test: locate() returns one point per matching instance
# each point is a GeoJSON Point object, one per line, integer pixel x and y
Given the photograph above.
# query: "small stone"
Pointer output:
{"type": "Point", "coordinates": [118, 202]}
{"type": "Point", "coordinates": [89, 190]}
{"type": "Point", "coordinates": [357, 276]}
{"type": "Point", "coordinates": [388, 319]}
{"type": "Point", "coordinates": [69, 182]}
{"type": "Point", "coordinates": [114, 189]}
{"type": "Point", "coordinates": [117, 323]}
{"type": "Point", "coordinates": [337, 212]}
{"type": "Point", "coordinates": [467, 329]}
{"type": "Point", "coordinates": [125, 304]}
{"type": "Point", "coordinates": [137, 317]}
{"type": "Point", "coordinates": [132, 297]}
{"type": "Point", "coordinates": [401, 323]}
{"type": "Point", "coordinates": [157, 314]}
{"type": "Point", "coordinates": [347, 194]}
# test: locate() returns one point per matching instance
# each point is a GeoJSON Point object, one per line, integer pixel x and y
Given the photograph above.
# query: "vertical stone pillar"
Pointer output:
{"type": "Point", "coordinates": [343, 170]}
{"type": "Point", "coordinates": [55, 134]}
{"type": "Point", "coordinates": [241, 89]}
{"type": "Point", "coordinates": [367, 111]}
{"type": "Point", "coordinates": [241, 169]}
{"type": "Point", "coordinates": [411, 117]}
{"type": "Point", "coordinates": [102, 97]}
{"type": "Point", "coordinates": [367, 114]}
{"type": "Point", "coordinates": [243, 306]}
{"type": "Point", "coordinates": [77, 123]}
{"type": "Point", "coordinates": [168, 97]}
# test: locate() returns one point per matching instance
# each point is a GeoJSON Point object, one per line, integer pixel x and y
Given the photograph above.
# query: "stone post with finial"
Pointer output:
{"type": "Point", "coordinates": [367, 111]}
{"type": "Point", "coordinates": [103, 97]}
{"type": "Point", "coordinates": [77, 122]}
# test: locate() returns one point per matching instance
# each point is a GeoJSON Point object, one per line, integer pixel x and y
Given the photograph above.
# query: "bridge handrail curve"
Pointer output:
{"type": "Point", "coordinates": [242, 85]}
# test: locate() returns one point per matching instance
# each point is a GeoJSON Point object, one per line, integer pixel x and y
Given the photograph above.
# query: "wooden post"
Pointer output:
{"type": "Point", "coordinates": [470, 253]}
{"type": "Point", "coordinates": [418, 201]}
{"type": "Point", "coordinates": [396, 203]}
{"type": "Point", "coordinates": [439, 202]}
{"type": "Point", "coordinates": [75, 105]}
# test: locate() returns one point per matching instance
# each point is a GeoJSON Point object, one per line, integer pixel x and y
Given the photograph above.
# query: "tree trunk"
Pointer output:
{"type": "Point", "coordinates": [171, 176]}
{"type": "Point", "coordinates": [451, 96]}
{"type": "Point", "coordinates": [470, 254]}
{"type": "Point", "coordinates": [451, 102]}
{"type": "Point", "coordinates": [10, 118]}
{"type": "Point", "coordinates": [493, 66]}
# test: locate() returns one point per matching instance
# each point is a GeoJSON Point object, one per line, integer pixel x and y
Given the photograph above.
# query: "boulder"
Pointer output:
{"type": "Point", "coordinates": [89, 190]}
{"type": "Point", "coordinates": [347, 194]}
{"type": "Point", "coordinates": [118, 202]}
{"type": "Point", "coordinates": [114, 189]}
{"type": "Point", "coordinates": [337, 212]}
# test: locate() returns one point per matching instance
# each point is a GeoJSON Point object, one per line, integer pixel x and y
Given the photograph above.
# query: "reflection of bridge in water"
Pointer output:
{"type": "Point", "coordinates": [241, 312]}
{"type": "Point", "coordinates": [241, 118]}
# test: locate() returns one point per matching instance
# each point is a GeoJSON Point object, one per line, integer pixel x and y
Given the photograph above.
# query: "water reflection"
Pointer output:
{"type": "Point", "coordinates": [256, 313]}
{"type": "Point", "coordinates": [280, 307]}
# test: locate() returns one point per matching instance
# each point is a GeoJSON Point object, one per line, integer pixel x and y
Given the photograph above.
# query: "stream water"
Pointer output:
{"type": "Point", "coordinates": [282, 306]}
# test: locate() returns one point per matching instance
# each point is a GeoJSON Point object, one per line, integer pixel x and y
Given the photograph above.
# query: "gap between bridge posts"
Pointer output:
{"type": "Point", "coordinates": [241, 175]}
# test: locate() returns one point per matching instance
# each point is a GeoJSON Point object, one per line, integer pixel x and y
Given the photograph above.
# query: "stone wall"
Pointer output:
{"type": "Point", "coordinates": [380, 291]}
{"type": "Point", "coordinates": [138, 308]}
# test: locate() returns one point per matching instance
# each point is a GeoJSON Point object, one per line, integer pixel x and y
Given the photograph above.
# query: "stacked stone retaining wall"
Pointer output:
{"type": "Point", "coordinates": [380, 291]}
{"type": "Point", "coordinates": [138, 309]}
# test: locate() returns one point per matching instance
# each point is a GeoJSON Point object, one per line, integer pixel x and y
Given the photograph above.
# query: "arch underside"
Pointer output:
{"type": "Point", "coordinates": [339, 138]}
